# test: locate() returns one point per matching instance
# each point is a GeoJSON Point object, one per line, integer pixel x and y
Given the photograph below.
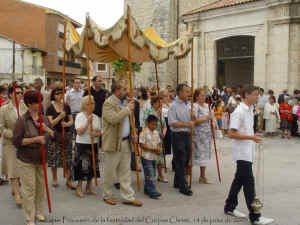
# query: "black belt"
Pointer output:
{"type": "Point", "coordinates": [125, 138]}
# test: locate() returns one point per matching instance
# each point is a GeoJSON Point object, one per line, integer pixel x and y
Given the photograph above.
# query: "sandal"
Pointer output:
{"type": "Point", "coordinates": [79, 193]}
{"type": "Point", "coordinates": [163, 180]}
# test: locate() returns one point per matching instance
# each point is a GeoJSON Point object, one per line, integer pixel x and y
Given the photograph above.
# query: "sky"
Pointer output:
{"type": "Point", "coordinates": [104, 12]}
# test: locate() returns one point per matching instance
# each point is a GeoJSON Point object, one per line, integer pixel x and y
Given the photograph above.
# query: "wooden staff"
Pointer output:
{"type": "Point", "coordinates": [160, 116]}
{"type": "Point", "coordinates": [214, 138]}
{"type": "Point", "coordinates": [133, 132]}
{"type": "Point", "coordinates": [43, 153]}
{"type": "Point", "coordinates": [90, 98]}
{"type": "Point", "coordinates": [192, 113]}
{"type": "Point", "coordinates": [63, 101]}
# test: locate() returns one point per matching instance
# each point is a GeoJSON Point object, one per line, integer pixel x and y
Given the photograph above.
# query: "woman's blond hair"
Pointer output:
{"type": "Point", "coordinates": [84, 101]}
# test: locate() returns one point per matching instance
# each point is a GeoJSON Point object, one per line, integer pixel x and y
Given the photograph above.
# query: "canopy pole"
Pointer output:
{"type": "Point", "coordinates": [43, 153]}
{"type": "Point", "coordinates": [63, 101]}
{"type": "Point", "coordinates": [89, 94]}
{"type": "Point", "coordinates": [192, 114]}
{"type": "Point", "coordinates": [214, 139]}
{"type": "Point", "coordinates": [160, 116]}
{"type": "Point", "coordinates": [133, 132]}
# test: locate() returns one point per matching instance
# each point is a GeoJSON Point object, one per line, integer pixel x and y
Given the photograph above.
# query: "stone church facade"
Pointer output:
{"type": "Point", "coordinates": [236, 42]}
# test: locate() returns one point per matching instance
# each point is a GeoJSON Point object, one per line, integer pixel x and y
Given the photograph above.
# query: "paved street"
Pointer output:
{"type": "Point", "coordinates": [281, 196]}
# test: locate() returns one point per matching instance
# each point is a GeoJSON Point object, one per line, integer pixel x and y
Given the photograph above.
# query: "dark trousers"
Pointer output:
{"type": "Point", "coordinates": [149, 175]}
{"type": "Point", "coordinates": [181, 146]}
{"type": "Point", "coordinates": [243, 178]}
{"type": "Point", "coordinates": [294, 128]}
{"type": "Point", "coordinates": [73, 130]}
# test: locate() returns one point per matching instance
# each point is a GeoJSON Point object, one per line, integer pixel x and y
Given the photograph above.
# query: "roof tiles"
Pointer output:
{"type": "Point", "coordinates": [218, 4]}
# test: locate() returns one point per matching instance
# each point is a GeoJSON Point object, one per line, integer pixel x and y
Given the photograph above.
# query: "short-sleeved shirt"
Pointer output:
{"type": "Point", "coordinates": [52, 112]}
{"type": "Point", "coordinates": [242, 120]}
{"type": "Point", "coordinates": [80, 121]}
{"type": "Point", "coordinates": [151, 111]}
{"type": "Point", "coordinates": [151, 139]}
{"type": "Point", "coordinates": [75, 99]}
{"type": "Point", "coordinates": [179, 112]}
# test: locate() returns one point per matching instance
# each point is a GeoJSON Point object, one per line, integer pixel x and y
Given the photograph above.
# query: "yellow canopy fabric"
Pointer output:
{"type": "Point", "coordinates": [111, 44]}
{"type": "Point", "coordinates": [154, 37]}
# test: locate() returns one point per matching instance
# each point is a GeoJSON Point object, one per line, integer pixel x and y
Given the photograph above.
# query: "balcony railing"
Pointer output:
{"type": "Point", "coordinates": [70, 64]}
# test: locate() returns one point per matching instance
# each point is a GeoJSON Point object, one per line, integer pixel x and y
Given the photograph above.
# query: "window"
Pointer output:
{"type": "Point", "coordinates": [60, 28]}
{"type": "Point", "coordinates": [60, 54]}
{"type": "Point", "coordinates": [101, 67]}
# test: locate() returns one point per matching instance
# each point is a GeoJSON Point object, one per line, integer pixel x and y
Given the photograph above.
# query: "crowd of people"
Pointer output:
{"type": "Point", "coordinates": [163, 122]}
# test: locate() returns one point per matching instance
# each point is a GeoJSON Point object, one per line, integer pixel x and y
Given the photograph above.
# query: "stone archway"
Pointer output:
{"type": "Point", "coordinates": [235, 61]}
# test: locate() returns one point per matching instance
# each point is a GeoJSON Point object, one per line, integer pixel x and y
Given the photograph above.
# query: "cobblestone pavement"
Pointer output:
{"type": "Point", "coordinates": [280, 191]}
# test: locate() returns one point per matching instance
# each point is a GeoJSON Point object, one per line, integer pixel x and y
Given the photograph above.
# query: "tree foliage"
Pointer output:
{"type": "Point", "coordinates": [123, 65]}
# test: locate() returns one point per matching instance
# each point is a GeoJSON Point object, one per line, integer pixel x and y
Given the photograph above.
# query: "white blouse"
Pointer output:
{"type": "Point", "coordinates": [80, 122]}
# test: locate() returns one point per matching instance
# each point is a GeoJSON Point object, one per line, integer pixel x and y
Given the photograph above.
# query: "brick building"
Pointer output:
{"type": "Point", "coordinates": [42, 28]}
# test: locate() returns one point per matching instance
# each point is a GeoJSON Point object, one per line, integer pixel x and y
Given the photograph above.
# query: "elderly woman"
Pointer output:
{"type": "Point", "coordinates": [202, 139]}
{"type": "Point", "coordinates": [27, 140]}
{"type": "Point", "coordinates": [271, 115]}
{"type": "Point", "coordinates": [8, 118]}
{"type": "Point", "coordinates": [83, 166]}
{"type": "Point", "coordinates": [60, 116]}
{"type": "Point", "coordinates": [155, 110]}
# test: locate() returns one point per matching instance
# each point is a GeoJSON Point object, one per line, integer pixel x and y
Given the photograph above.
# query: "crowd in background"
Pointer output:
{"type": "Point", "coordinates": [151, 116]}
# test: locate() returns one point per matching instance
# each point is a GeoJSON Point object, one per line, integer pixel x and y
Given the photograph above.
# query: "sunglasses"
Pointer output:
{"type": "Point", "coordinates": [19, 93]}
{"type": "Point", "coordinates": [58, 93]}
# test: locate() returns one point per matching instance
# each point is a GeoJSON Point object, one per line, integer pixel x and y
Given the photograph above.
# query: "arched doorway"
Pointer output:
{"type": "Point", "coordinates": [235, 61]}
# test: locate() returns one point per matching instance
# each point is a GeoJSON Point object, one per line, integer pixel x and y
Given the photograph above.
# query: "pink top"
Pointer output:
{"type": "Point", "coordinates": [298, 114]}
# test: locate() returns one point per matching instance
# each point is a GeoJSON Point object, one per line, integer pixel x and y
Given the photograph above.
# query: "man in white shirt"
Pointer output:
{"type": "Point", "coordinates": [262, 100]}
{"type": "Point", "coordinates": [241, 130]}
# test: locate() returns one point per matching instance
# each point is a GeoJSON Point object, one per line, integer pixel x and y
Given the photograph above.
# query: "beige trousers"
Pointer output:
{"type": "Point", "coordinates": [32, 189]}
{"type": "Point", "coordinates": [260, 122]}
{"type": "Point", "coordinates": [117, 166]}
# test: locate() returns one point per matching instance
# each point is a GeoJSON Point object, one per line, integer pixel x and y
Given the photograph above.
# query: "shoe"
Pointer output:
{"type": "Point", "coordinates": [40, 218]}
{"type": "Point", "coordinates": [29, 223]}
{"type": "Point", "coordinates": [70, 185]}
{"type": "Point", "coordinates": [155, 195]}
{"type": "Point", "coordinates": [117, 186]}
{"type": "Point", "coordinates": [55, 184]}
{"type": "Point", "coordinates": [79, 193]}
{"type": "Point", "coordinates": [134, 203]}
{"type": "Point", "coordinates": [18, 200]}
{"type": "Point", "coordinates": [204, 180]}
{"type": "Point", "coordinates": [187, 192]}
{"type": "Point", "coordinates": [91, 192]}
{"type": "Point", "coordinates": [236, 213]}
{"type": "Point", "coordinates": [163, 180]}
{"type": "Point", "coordinates": [109, 201]}
{"type": "Point", "coordinates": [263, 220]}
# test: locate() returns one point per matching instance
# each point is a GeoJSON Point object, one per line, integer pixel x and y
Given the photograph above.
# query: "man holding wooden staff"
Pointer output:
{"type": "Point", "coordinates": [179, 116]}
{"type": "Point", "coordinates": [116, 145]}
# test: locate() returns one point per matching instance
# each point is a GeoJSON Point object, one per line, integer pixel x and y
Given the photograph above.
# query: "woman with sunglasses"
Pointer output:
{"type": "Point", "coordinates": [60, 116]}
{"type": "Point", "coordinates": [8, 118]}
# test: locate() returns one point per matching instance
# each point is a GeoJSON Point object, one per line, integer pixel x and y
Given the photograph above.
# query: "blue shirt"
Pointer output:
{"type": "Point", "coordinates": [179, 112]}
{"type": "Point", "coordinates": [126, 125]}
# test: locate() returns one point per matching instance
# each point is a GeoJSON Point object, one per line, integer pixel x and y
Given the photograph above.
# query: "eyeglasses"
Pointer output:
{"type": "Point", "coordinates": [19, 93]}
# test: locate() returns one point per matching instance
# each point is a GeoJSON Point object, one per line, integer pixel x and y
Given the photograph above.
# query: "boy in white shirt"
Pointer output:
{"type": "Point", "coordinates": [242, 132]}
{"type": "Point", "coordinates": [150, 144]}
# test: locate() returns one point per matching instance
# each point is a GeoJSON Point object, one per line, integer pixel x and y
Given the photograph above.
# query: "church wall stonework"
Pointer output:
{"type": "Point", "coordinates": [274, 24]}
